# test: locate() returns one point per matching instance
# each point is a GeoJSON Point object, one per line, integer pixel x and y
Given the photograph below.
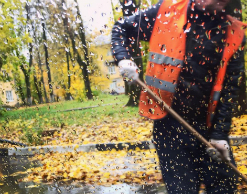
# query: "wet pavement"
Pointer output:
{"type": "Point", "coordinates": [11, 183]}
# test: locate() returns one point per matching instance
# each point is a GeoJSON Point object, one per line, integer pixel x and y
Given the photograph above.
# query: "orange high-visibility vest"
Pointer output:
{"type": "Point", "coordinates": [167, 56]}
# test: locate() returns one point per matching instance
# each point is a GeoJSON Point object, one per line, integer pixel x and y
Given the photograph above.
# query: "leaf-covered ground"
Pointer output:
{"type": "Point", "coordinates": [105, 131]}
{"type": "Point", "coordinates": [100, 125]}
{"type": "Point", "coordinates": [239, 126]}
{"type": "Point", "coordinates": [49, 125]}
{"type": "Point", "coordinates": [107, 167]}
{"type": "Point", "coordinates": [31, 125]}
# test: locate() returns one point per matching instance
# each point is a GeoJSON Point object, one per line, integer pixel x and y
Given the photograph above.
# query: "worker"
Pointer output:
{"type": "Point", "coordinates": [195, 66]}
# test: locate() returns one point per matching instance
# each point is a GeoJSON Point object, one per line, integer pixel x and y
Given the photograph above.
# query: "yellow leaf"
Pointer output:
{"type": "Point", "coordinates": [122, 176]}
{"type": "Point", "coordinates": [65, 175]}
{"type": "Point", "coordinates": [106, 175]}
{"type": "Point", "coordinates": [77, 146]}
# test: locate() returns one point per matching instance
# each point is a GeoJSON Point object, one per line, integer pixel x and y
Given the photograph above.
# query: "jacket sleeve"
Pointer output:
{"type": "Point", "coordinates": [229, 96]}
{"type": "Point", "coordinates": [125, 32]}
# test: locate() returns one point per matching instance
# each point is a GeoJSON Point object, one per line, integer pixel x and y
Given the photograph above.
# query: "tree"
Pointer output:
{"type": "Point", "coordinates": [18, 82]}
{"type": "Point", "coordinates": [13, 39]}
{"type": "Point", "coordinates": [84, 65]}
{"type": "Point", "coordinates": [27, 69]}
{"type": "Point", "coordinates": [46, 53]}
{"type": "Point", "coordinates": [39, 82]}
{"type": "Point", "coordinates": [68, 54]}
{"type": "Point", "coordinates": [70, 38]}
{"type": "Point", "coordinates": [42, 77]}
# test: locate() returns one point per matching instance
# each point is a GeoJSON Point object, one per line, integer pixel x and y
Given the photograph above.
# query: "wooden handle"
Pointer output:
{"type": "Point", "coordinates": [188, 127]}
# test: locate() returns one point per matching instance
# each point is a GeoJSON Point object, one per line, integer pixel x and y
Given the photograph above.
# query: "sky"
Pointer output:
{"type": "Point", "coordinates": [95, 13]}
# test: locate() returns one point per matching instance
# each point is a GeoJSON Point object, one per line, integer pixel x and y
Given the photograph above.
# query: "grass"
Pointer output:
{"type": "Point", "coordinates": [33, 120]}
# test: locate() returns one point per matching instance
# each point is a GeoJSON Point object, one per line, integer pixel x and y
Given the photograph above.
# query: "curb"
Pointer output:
{"type": "Point", "coordinates": [81, 148]}
{"type": "Point", "coordinates": [237, 140]}
{"type": "Point", "coordinates": [143, 145]}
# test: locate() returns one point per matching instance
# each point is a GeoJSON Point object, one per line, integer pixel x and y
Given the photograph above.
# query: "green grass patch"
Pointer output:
{"type": "Point", "coordinates": [33, 120]}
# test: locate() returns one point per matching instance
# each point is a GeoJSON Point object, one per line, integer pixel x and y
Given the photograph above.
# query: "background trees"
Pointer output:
{"type": "Point", "coordinates": [37, 39]}
{"type": "Point", "coordinates": [45, 49]}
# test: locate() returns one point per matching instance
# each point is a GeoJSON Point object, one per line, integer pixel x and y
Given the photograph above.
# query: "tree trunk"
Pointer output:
{"type": "Point", "coordinates": [28, 86]}
{"type": "Point", "coordinates": [34, 73]}
{"type": "Point", "coordinates": [126, 88]}
{"type": "Point", "coordinates": [27, 82]}
{"type": "Point", "coordinates": [42, 78]}
{"type": "Point", "coordinates": [18, 79]}
{"type": "Point", "coordinates": [19, 86]}
{"type": "Point", "coordinates": [47, 57]}
{"type": "Point", "coordinates": [66, 29]}
{"type": "Point", "coordinates": [133, 90]}
{"type": "Point", "coordinates": [84, 65]}
{"type": "Point", "coordinates": [21, 93]}
{"type": "Point", "coordinates": [47, 63]}
{"type": "Point", "coordinates": [1, 63]}
{"type": "Point", "coordinates": [37, 86]}
{"type": "Point", "coordinates": [68, 94]}
{"type": "Point", "coordinates": [27, 75]}
{"type": "Point", "coordinates": [27, 71]}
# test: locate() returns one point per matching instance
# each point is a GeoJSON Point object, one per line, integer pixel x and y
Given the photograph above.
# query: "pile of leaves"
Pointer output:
{"type": "Point", "coordinates": [41, 130]}
{"type": "Point", "coordinates": [106, 167]}
{"type": "Point", "coordinates": [240, 156]}
{"type": "Point", "coordinates": [104, 131]}
{"type": "Point", "coordinates": [239, 126]}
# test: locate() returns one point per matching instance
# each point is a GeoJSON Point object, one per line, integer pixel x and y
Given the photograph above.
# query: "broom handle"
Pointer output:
{"type": "Point", "coordinates": [188, 127]}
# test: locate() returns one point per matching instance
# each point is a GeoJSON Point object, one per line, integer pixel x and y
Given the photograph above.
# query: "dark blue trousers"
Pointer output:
{"type": "Point", "coordinates": [184, 162]}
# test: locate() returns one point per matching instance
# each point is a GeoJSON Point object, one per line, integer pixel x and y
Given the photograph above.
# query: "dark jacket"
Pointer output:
{"type": "Point", "coordinates": [198, 75]}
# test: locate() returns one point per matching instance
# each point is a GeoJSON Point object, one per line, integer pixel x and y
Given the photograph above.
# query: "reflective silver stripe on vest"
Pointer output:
{"type": "Point", "coordinates": [161, 59]}
{"type": "Point", "coordinates": [160, 84]}
{"type": "Point", "coordinates": [216, 95]}
{"type": "Point", "coordinates": [211, 117]}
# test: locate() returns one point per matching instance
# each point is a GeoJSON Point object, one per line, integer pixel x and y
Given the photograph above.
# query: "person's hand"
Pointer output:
{"type": "Point", "coordinates": [221, 148]}
{"type": "Point", "coordinates": [128, 69]}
